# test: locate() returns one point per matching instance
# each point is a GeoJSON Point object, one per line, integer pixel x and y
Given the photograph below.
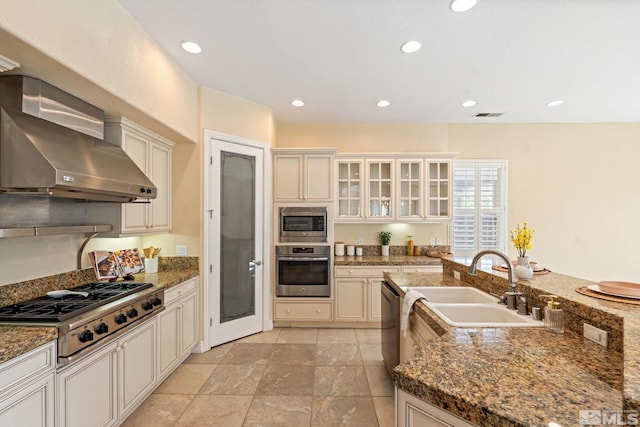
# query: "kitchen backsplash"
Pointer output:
{"type": "Point", "coordinates": [23, 291]}
{"type": "Point", "coordinates": [375, 250]}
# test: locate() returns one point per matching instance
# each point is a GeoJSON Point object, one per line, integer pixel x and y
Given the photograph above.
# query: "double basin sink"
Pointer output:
{"type": "Point", "coordinates": [468, 307]}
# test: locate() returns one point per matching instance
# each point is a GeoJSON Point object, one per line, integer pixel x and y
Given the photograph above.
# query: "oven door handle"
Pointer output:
{"type": "Point", "coordinates": [292, 258]}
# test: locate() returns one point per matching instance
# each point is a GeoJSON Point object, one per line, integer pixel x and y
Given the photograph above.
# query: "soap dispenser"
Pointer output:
{"type": "Point", "coordinates": [553, 315]}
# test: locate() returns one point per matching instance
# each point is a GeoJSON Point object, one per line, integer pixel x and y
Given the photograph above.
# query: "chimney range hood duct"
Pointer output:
{"type": "Point", "coordinates": [51, 143]}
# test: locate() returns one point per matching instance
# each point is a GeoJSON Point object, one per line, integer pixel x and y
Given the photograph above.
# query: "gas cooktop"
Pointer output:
{"type": "Point", "coordinates": [49, 309]}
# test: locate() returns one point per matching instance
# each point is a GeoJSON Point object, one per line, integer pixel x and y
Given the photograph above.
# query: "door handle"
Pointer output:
{"type": "Point", "coordinates": [256, 262]}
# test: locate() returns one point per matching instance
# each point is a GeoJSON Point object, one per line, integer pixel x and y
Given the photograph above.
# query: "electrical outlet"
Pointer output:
{"type": "Point", "coordinates": [596, 335]}
{"type": "Point", "coordinates": [432, 241]}
{"type": "Point", "coordinates": [360, 240]}
{"type": "Point", "coordinates": [456, 275]}
{"type": "Point", "coordinates": [438, 241]}
{"type": "Point", "coordinates": [181, 250]}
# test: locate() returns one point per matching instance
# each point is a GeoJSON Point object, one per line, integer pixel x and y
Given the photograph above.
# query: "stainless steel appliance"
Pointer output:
{"type": "Point", "coordinates": [303, 271]}
{"type": "Point", "coordinates": [56, 139]}
{"type": "Point", "coordinates": [390, 339]}
{"type": "Point", "coordinates": [301, 224]}
{"type": "Point", "coordinates": [87, 323]}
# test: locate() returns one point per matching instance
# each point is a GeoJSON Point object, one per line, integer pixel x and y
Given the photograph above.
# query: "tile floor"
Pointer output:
{"type": "Point", "coordinates": [286, 377]}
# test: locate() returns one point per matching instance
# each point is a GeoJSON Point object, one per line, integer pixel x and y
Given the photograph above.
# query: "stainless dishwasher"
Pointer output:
{"type": "Point", "coordinates": [390, 327]}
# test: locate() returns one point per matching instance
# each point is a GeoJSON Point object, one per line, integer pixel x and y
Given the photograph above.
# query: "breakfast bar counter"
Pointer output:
{"type": "Point", "coordinates": [523, 376]}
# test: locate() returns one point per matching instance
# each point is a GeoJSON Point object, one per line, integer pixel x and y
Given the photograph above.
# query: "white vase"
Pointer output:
{"type": "Point", "coordinates": [523, 270]}
{"type": "Point", "coordinates": [385, 250]}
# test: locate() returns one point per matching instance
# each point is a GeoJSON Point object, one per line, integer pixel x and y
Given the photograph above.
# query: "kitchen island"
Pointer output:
{"type": "Point", "coordinates": [523, 376]}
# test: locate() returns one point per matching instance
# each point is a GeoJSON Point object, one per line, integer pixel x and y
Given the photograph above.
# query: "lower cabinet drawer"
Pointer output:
{"type": "Point", "coordinates": [303, 311]}
{"type": "Point", "coordinates": [365, 271]}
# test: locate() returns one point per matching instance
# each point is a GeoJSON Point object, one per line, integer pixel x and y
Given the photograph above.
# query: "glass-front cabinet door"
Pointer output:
{"type": "Point", "coordinates": [380, 190]}
{"type": "Point", "coordinates": [349, 197]}
{"type": "Point", "coordinates": [410, 189]}
{"type": "Point", "coordinates": [438, 198]}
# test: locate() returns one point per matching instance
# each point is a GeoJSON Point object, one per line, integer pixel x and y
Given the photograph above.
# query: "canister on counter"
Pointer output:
{"type": "Point", "coordinates": [339, 248]}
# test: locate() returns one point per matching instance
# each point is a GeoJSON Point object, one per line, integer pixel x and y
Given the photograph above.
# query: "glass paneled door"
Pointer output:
{"type": "Point", "coordinates": [236, 297]}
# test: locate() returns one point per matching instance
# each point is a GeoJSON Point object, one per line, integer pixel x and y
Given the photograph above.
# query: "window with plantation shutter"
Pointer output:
{"type": "Point", "coordinates": [479, 206]}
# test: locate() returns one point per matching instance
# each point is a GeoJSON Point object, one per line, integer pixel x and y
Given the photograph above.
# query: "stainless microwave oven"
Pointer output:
{"type": "Point", "coordinates": [299, 224]}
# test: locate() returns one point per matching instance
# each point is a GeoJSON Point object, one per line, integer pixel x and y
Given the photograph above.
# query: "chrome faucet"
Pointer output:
{"type": "Point", "coordinates": [512, 301]}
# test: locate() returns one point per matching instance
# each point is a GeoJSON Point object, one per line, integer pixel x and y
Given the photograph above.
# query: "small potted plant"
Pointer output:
{"type": "Point", "coordinates": [384, 237]}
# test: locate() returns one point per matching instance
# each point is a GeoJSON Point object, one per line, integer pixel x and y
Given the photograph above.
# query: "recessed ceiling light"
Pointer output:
{"type": "Point", "coordinates": [468, 103]}
{"type": "Point", "coordinates": [411, 46]}
{"type": "Point", "coordinates": [297, 103]}
{"type": "Point", "coordinates": [191, 47]}
{"type": "Point", "coordinates": [461, 5]}
{"type": "Point", "coordinates": [555, 103]}
{"type": "Point", "coordinates": [383, 103]}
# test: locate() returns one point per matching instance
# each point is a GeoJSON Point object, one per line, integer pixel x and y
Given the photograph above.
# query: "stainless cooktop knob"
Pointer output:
{"type": "Point", "coordinates": [101, 328]}
{"type": "Point", "coordinates": [85, 336]}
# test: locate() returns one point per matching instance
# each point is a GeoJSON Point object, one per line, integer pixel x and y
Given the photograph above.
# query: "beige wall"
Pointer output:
{"type": "Point", "coordinates": [103, 56]}
{"type": "Point", "coordinates": [235, 116]}
{"type": "Point", "coordinates": [364, 137]}
{"type": "Point", "coordinates": [121, 70]}
{"type": "Point", "coordinates": [574, 183]}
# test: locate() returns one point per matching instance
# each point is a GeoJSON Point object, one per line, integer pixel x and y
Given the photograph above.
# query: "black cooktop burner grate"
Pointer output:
{"type": "Point", "coordinates": [48, 309]}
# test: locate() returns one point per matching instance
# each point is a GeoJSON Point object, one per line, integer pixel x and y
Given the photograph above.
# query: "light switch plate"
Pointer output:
{"type": "Point", "coordinates": [360, 240]}
{"type": "Point", "coordinates": [181, 250]}
{"type": "Point", "coordinates": [596, 335]}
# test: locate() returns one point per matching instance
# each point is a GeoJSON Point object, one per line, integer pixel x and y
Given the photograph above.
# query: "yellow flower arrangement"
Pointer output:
{"type": "Point", "coordinates": [521, 238]}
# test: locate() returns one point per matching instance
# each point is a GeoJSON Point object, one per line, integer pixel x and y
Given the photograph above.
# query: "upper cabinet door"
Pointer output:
{"type": "Point", "coordinates": [287, 171]}
{"type": "Point", "coordinates": [318, 177]}
{"type": "Point", "coordinates": [349, 190]}
{"type": "Point", "coordinates": [410, 189]}
{"type": "Point", "coordinates": [380, 189]}
{"type": "Point", "coordinates": [438, 189]}
{"type": "Point", "coordinates": [160, 174]}
{"type": "Point", "coordinates": [303, 175]}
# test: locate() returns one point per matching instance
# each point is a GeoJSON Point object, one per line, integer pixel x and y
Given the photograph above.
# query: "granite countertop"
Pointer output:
{"type": "Point", "coordinates": [16, 339]}
{"type": "Point", "coordinates": [523, 376]}
{"type": "Point", "coordinates": [385, 260]}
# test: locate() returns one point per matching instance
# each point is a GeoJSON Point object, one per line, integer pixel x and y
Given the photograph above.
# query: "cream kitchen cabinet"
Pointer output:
{"type": "Point", "coordinates": [27, 388]}
{"type": "Point", "coordinates": [349, 194]}
{"type": "Point", "coordinates": [380, 194]}
{"type": "Point", "coordinates": [439, 184]}
{"type": "Point", "coordinates": [152, 154]}
{"type": "Point", "coordinates": [303, 310]}
{"type": "Point", "coordinates": [105, 387]}
{"type": "Point", "coordinates": [435, 268]}
{"type": "Point", "coordinates": [177, 326]}
{"type": "Point", "coordinates": [357, 292]}
{"type": "Point", "coordinates": [393, 187]}
{"type": "Point", "coordinates": [303, 175]}
{"type": "Point", "coordinates": [413, 412]}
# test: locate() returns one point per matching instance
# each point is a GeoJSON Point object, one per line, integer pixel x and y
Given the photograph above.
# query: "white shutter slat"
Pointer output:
{"type": "Point", "coordinates": [478, 206]}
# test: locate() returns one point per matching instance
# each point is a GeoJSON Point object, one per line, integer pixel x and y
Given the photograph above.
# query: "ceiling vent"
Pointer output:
{"type": "Point", "coordinates": [488, 114]}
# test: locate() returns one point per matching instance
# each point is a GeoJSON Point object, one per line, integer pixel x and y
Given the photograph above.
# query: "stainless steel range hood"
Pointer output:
{"type": "Point", "coordinates": [51, 144]}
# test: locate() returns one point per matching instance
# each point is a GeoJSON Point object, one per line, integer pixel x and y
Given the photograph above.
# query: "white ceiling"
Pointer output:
{"type": "Point", "coordinates": [342, 56]}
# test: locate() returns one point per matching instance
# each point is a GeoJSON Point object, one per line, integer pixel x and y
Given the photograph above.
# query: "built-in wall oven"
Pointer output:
{"type": "Point", "coordinates": [303, 271]}
{"type": "Point", "coordinates": [303, 224]}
